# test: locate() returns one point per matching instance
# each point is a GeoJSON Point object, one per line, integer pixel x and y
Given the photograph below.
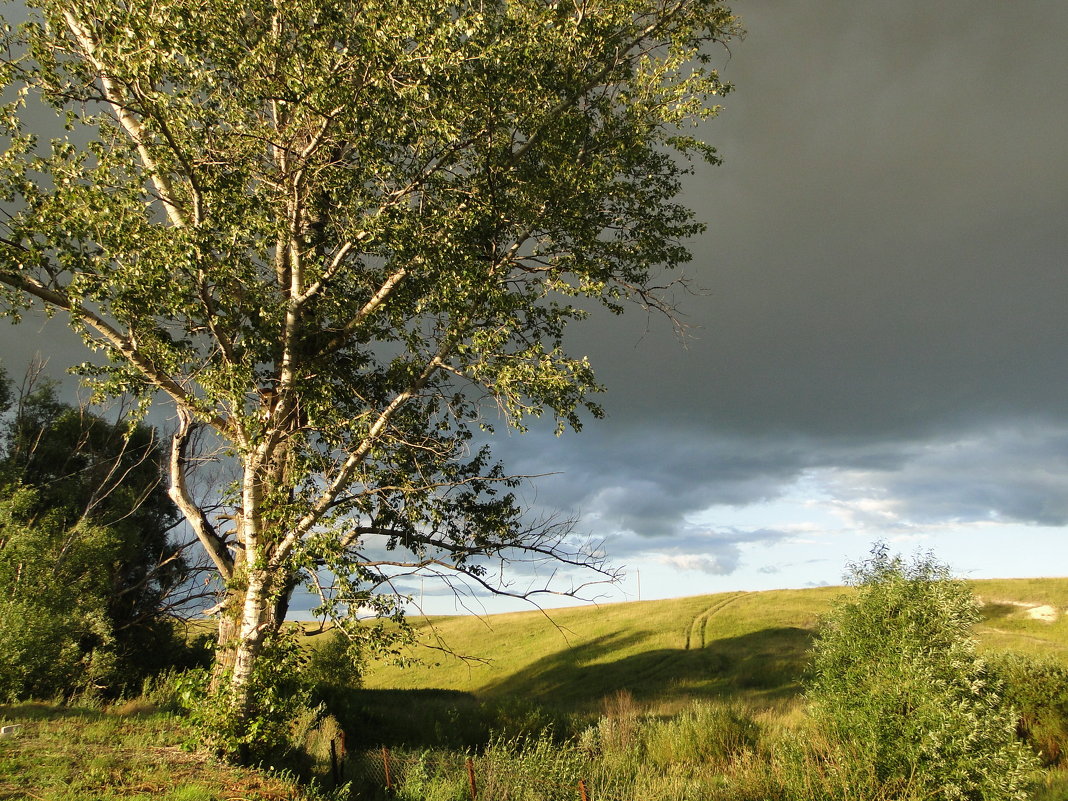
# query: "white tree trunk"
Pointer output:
{"type": "Point", "coordinates": [256, 622]}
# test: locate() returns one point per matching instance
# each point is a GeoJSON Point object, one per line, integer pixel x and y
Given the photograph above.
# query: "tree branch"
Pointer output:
{"type": "Point", "coordinates": [129, 122]}
{"type": "Point", "coordinates": [121, 342]}
{"type": "Point", "coordinates": [323, 504]}
{"type": "Point", "coordinates": [179, 493]}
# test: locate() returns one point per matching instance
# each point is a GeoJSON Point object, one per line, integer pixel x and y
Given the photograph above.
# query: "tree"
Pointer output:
{"type": "Point", "coordinates": [895, 675]}
{"type": "Point", "coordinates": [89, 577]}
{"type": "Point", "coordinates": [335, 236]}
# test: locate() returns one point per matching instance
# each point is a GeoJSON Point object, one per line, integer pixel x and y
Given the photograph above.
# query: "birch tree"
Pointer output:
{"type": "Point", "coordinates": [341, 239]}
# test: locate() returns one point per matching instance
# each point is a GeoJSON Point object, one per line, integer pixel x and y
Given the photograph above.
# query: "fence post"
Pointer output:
{"type": "Point", "coordinates": [385, 764]}
{"type": "Point", "coordinates": [334, 771]}
{"type": "Point", "coordinates": [471, 779]}
{"type": "Point", "coordinates": [582, 790]}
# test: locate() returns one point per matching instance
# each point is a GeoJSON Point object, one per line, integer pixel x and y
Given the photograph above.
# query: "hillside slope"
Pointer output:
{"type": "Point", "coordinates": [749, 646]}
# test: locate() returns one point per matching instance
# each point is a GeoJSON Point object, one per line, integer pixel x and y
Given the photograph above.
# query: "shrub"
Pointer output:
{"type": "Point", "coordinates": [279, 700]}
{"type": "Point", "coordinates": [335, 665]}
{"type": "Point", "coordinates": [896, 677]}
{"type": "Point", "coordinates": [1038, 689]}
{"type": "Point", "coordinates": [88, 575]}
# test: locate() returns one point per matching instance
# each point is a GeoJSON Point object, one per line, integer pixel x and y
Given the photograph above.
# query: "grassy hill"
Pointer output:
{"type": "Point", "coordinates": [526, 670]}
{"type": "Point", "coordinates": [746, 646]}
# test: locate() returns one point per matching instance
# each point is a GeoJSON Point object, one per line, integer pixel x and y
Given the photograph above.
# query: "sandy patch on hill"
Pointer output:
{"type": "Point", "coordinates": [1044, 612]}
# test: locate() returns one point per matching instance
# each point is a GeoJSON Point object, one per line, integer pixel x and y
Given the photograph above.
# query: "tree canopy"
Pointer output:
{"type": "Point", "coordinates": [339, 239]}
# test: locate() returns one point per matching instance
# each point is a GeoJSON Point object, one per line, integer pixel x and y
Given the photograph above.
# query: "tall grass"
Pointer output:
{"type": "Point", "coordinates": [710, 752]}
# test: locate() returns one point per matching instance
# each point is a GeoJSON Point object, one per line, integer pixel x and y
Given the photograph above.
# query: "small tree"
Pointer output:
{"type": "Point", "coordinates": [88, 572]}
{"type": "Point", "coordinates": [895, 675]}
{"type": "Point", "coordinates": [337, 235]}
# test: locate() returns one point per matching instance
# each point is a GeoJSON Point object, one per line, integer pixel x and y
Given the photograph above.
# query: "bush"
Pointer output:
{"type": "Point", "coordinates": [88, 575]}
{"type": "Point", "coordinates": [1038, 689]}
{"type": "Point", "coordinates": [335, 665]}
{"type": "Point", "coordinates": [896, 677]}
{"type": "Point", "coordinates": [279, 699]}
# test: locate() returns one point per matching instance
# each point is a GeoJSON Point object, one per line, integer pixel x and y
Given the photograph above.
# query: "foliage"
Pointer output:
{"type": "Point", "coordinates": [55, 635]}
{"type": "Point", "coordinates": [336, 664]}
{"type": "Point", "coordinates": [896, 679]}
{"type": "Point", "coordinates": [1037, 687]}
{"type": "Point", "coordinates": [282, 697]}
{"type": "Point", "coordinates": [337, 237]}
{"type": "Point", "coordinates": [87, 572]}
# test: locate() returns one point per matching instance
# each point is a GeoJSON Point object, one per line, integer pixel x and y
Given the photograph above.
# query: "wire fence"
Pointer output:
{"type": "Point", "coordinates": [383, 773]}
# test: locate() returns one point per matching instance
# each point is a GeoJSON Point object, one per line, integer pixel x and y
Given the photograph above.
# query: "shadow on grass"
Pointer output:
{"type": "Point", "coordinates": [564, 687]}
{"type": "Point", "coordinates": [996, 610]}
{"type": "Point", "coordinates": [768, 663]}
{"type": "Point", "coordinates": [414, 718]}
{"type": "Point", "coordinates": [37, 710]}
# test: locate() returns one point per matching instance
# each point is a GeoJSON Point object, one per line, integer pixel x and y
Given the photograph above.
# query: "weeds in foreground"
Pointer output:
{"type": "Point", "coordinates": [710, 752]}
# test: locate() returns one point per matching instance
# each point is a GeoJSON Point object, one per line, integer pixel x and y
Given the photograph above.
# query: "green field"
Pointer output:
{"type": "Point", "coordinates": [746, 646]}
{"type": "Point", "coordinates": [650, 686]}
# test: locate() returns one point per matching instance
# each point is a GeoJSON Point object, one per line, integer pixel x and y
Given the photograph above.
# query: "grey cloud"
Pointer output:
{"type": "Point", "coordinates": [718, 565]}
{"type": "Point", "coordinates": [886, 246]}
{"type": "Point", "coordinates": [716, 552]}
{"type": "Point", "coordinates": [1017, 474]}
{"type": "Point", "coordinates": [885, 274]}
{"type": "Point", "coordinates": [648, 481]}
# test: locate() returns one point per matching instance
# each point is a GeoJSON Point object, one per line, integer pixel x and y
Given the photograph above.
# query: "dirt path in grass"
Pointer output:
{"type": "Point", "coordinates": [695, 635]}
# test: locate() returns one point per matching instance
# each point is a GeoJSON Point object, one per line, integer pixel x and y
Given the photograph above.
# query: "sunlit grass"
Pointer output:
{"type": "Point", "coordinates": [71, 754]}
{"type": "Point", "coordinates": [748, 647]}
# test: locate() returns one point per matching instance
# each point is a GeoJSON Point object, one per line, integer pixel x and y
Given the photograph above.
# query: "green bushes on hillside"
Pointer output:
{"type": "Point", "coordinates": [897, 681]}
{"type": "Point", "coordinates": [1037, 688]}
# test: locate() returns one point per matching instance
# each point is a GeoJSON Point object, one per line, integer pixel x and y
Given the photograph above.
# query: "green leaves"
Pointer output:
{"type": "Point", "coordinates": [86, 570]}
{"type": "Point", "coordinates": [896, 677]}
{"type": "Point", "coordinates": [343, 235]}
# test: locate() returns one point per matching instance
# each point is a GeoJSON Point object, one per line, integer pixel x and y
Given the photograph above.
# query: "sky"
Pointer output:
{"type": "Point", "coordinates": [878, 351]}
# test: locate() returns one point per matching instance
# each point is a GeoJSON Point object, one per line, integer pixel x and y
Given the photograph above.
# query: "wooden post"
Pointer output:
{"type": "Point", "coordinates": [582, 791]}
{"type": "Point", "coordinates": [333, 764]}
{"type": "Point", "coordinates": [471, 779]}
{"type": "Point", "coordinates": [385, 764]}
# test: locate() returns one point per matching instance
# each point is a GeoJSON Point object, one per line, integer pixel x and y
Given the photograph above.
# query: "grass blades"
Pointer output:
{"type": "Point", "coordinates": [134, 754]}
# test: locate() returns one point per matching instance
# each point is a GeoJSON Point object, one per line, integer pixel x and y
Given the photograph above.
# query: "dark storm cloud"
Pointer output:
{"type": "Point", "coordinates": [886, 266]}
{"type": "Point", "coordinates": [886, 253]}
{"type": "Point", "coordinates": [886, 280]}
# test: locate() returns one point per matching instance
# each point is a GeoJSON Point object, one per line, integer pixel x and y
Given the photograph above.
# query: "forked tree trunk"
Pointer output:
{"type": "Point", "coordinates": [251, 614]}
